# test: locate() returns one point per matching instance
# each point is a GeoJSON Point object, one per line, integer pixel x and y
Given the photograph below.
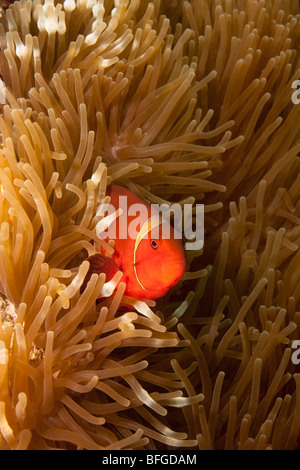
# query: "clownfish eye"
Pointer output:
{"type": "Point", "coordinates": [154, 244]}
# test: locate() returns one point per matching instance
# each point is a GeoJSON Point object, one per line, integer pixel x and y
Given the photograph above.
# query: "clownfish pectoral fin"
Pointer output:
{"type": "Point", "coordinates": [100, 264]}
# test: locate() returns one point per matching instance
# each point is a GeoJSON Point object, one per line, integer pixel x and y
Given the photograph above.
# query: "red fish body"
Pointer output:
{"type": "Point", "coordinates": [150, 262]}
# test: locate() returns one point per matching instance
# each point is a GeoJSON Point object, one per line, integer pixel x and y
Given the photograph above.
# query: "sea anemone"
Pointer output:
{"type": "Point", "coordinates": [187, 102]}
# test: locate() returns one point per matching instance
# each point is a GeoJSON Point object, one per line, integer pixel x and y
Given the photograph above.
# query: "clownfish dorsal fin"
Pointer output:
{"type": "Point", "coordinates": [148, 225]}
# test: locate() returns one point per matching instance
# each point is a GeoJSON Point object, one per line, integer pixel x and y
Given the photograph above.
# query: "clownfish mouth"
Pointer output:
{"type": "Point", "coordinates": [169, 278]}
{"type": "Point", "coordinates": [176, 270]}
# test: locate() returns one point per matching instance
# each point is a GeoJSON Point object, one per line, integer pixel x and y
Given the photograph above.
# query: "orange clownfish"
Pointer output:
{"type": "Point", "coordinates": [151, 263]}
